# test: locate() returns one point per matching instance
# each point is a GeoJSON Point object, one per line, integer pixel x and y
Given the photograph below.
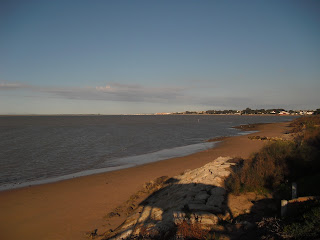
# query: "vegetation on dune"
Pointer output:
{"type": "Point", "coordinates": [187, 230]}
{"type": "Point", "coordinates": [310, 122]}
{"type": "Point", "coordinates": [316, 112]}
{"type": "Point", "coordinates": [281, 161]}
{"type": "Point", "coordinates": [305, 223]}
{"type": "Point", "coordinates": [275, 167]}
{"type": "Point", "coordinates": [265, 170]}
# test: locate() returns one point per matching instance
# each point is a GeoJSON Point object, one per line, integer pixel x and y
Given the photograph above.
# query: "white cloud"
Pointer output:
{"type": "Point", "coordinates": [106, 88]}
{"type": "Point", "coordinates": [11, 86]}
{"type": "Point", "coordinates": [109, 92]}
{"type": "Point", "coordinates": [131, 93]}
{"type": "Point", "coordinates": [182, 96]}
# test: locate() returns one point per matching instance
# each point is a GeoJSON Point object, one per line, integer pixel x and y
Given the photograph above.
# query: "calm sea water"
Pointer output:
{"type": "Point", "coordinates": [39, 149]}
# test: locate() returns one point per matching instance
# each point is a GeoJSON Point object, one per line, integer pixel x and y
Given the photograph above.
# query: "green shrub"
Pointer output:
{"type": "Point", "coordinates": [305, 225]}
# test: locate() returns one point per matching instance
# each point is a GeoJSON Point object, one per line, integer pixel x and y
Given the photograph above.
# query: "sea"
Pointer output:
{"type": "Point", "coordinates": [42, 149]}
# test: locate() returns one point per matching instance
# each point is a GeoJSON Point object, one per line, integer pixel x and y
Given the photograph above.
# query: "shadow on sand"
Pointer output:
{"type": "Point", "coordinates": [192, 211]}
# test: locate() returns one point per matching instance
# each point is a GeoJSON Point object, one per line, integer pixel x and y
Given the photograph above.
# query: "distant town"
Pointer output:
{"type": "Point", "coordinates": [248, 111]}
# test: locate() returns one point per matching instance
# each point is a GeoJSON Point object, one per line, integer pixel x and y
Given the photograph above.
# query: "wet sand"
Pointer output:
{"type": "Point", "coordinates": [70, 208]}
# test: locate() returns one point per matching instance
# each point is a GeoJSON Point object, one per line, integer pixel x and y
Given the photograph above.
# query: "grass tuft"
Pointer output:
{"type": "Point", "coordinates": [187, 230]}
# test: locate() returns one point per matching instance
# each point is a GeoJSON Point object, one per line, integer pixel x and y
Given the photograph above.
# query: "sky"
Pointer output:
{"type": "Point", "coordinates": [130, 57]}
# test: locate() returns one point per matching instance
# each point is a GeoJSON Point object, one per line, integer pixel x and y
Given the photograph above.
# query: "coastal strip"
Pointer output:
{"type": "Point", "coordinates": [70, 208]}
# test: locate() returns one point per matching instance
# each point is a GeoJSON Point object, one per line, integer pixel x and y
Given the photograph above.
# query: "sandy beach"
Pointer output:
{"type": "Point", "coordinates": [70, 208]}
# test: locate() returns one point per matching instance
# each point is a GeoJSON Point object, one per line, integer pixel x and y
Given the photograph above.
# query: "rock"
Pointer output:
{"type": "Point", "coordinates": [196, 195]}
{"type": "Point", "coordinates": [224, 173]}
{"type": "Point", "coordinates": [235, 213]}
{"type": "Point", "coordinates": [218, 181]}
{"type": "Point", "coordinates": [179, 214]}
{"type": "Point", "coordinates": [93, 234]}
{"type": "Point", "coordinates": [206, 218]}
{"type": "Point", "coordinates": [129, 223]}
{"type": "Point", "coordinates": [197, 217]}
{"type": "Point", "coordinates": [156, 214]}
{"type": "Point", "coordinates": [225, 216]}
{"type": "Point", "coordinates": [145, 214]}
{"type": "Point", "coordinates": [123, 235]}
{"type": "Point", "coordinates": [202, 196]}
{"type": "Point", "coordinates": [246, 225]}
{"type": "Point", "coordinates": [198, 201]}
{"type": "Point", "coordinates": [203, 207]}
{"type": "Point", "coordinates": [208, 221]}
{"type": "Point", "coordinates": [215, 201]}
{"type": "Point", "coordinates": [112, 214]}
{"type": "Point", "coordinates": [218, 191]}
{"type": "Point", "coordinates": [165, 226]}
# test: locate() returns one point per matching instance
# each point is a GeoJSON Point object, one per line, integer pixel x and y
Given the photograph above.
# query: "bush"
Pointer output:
{"type": "Point", "coordinates": [305, 225]}
{"type": "Point", "coordinates": [281, 161]}
{"type": "Point", "coordinates": [309, 185]}
{"type": "Point", "coordinates": [266, 169]}
{"type": "Point", "coordinates": [307, 156]}
{"type": "Point", "coordinates": [302, 123]}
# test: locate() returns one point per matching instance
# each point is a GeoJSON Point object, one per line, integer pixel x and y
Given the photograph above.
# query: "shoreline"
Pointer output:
{"type": "Point", "coordinates": [186, 150]}
{"type": "Point", "coordinates": [160, 155]}
{"type": "Point", "coordinates": [70, 208]}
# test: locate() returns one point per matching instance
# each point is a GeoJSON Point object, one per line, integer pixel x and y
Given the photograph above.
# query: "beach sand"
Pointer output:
{"type": "Point", "coordinates": [70, 208]}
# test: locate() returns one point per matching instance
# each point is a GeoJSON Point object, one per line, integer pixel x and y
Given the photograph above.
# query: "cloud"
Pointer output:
{"type": "Point", "coordinates": [106, 88]}
{"type": "Point", "coordinates": [182, 96]}
{"type": "Point", "coordinates": [12, 86]}
{"type": "Point", "coordinates": [134, 93]}
{"type": "Point", "coordinates": [109, 92]}
{"type": "Point", "coordinates": [117, 87]}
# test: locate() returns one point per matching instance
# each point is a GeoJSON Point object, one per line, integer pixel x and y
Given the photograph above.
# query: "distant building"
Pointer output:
{"type": "Point", "coordinates": [306, 112]}
{"type": "Point", "coordinates": [284, 113]}
{"type": "Point", "coordinates": [162, 113]}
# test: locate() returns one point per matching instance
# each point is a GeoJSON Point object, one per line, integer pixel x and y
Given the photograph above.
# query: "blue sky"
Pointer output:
{"type": "Point", "coordinates": [126, 57]}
